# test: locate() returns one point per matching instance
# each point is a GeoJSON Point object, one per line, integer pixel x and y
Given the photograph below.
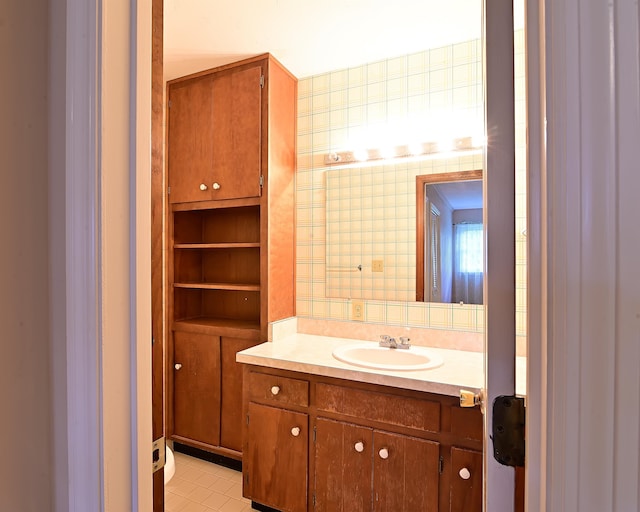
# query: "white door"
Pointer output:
{"type": "Point", "coordinates": [499, 221]}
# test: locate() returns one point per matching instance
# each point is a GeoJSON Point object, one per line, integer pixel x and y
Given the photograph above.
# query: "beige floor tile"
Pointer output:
{"type": "Point", "coordinates": [200, 494]}
{"type": "Point", "coordinates": [216, 500]}
{"type": "Point", "coordinates": [174, 502]}
{"type": "Point", "coordinates": [233, 506]}
{"type": "Point", "coordinates": [200, 486]}
{"type": "Point", "coordinates": [195, 507]}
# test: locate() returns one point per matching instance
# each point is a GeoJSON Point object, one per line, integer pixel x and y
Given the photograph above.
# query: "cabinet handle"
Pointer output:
{"type": "Point", "coordinates": [216, 186]}
{"type": "Point", "coordinates": [384, 453]}
{"type": "Point", "coordinates": [465, 474]}
{"type": "Point", "coordinates": [177, 366]}
{"type": "Point", "coordinates": [275, 390]}
{"type": "Point", "coordinates": [359, 446]}
{"type": "Point", "coordinates": [295, 431]}
{"type": "Point", "coordinates": [203, 187]}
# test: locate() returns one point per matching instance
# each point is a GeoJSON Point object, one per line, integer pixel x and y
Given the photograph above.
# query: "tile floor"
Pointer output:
{"type": "Point", "coordinates": [200, 486]}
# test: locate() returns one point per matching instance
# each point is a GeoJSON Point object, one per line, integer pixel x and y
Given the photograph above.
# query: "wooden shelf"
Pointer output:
{"type": "Point", "coordinates": [231, 245]}
{"type": "Point", "coordinates": [220, 326]}
{"type": "Point", "coordinates": [219, 286]}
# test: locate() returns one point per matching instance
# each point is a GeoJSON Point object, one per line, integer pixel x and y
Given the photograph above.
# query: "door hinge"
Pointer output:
{"type": "Point", "coordinates": [168, 190]}
{"type": "Point", "coordinates": [314, 433]}
{"type": "Point", "coordinates": [313, 498]}
{"type": "Point", "coordinates": [441, 465]}
{"type": "Point", "coordinates": [262, 81]}
{"type": "Point", "coordinates": [169, 103]}
{"type": "Point", "coordinates": [508, 430]}
{"type": "Point", "coordinates": [158, 453]}
{"type": "Point", "coordinates": [261, 181]}
{"type": "Point", "coordinates": [247, 419]}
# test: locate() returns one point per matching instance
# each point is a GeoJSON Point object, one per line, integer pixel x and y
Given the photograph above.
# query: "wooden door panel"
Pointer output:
{"type": "Point", "coordinates": [466, 494]}
{"type": "Point", "coordinates": [236, 137]}
{"type": "Point", "coordinates": [231, 416]}
{"type": "Point", "coordinates": [196, 387]}
{"type": "Point", "coordinates": [407, 480]}
{"type": "Point", "coordinates": [277, 458]}
{"type": "Point", "coordinates": [342, 480]}
{"type": "Point", "coordinates": [190, 132]}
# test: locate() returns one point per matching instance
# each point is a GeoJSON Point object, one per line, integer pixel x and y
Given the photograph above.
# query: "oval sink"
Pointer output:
{"type": "Point", "coordinates": [370, 355]}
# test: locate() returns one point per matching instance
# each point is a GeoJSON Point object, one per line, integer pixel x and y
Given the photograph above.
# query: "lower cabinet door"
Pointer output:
{"type": "Point", "coordinates": [275, 463]}
{"type": "Point", "coordinates": [466, 480]}
{"type": "Point", "coordinates": [343, 467]}
{"type": "Point", "coordinates": [405, 473]}
{"type": "Point", "coordinates": [196, 387]}
{"type": "Point", "coordinates": [231, 392]}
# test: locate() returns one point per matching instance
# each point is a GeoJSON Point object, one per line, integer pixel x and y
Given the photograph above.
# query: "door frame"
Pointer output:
{"type": "Point", "coordinates": [128, 474]}
{"type": "Point", "coordinates": [499, 232]}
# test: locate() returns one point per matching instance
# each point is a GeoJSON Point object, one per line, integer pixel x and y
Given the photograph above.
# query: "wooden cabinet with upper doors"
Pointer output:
{"type": "Point", "coordinates": [214, 126]}
{"type": "Point", "coordinates": [370, 447]}
{"type": "Point", "coordinates": [231, 135]}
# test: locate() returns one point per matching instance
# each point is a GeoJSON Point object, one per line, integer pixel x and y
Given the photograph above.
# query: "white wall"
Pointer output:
{"type": "Point", "coordinates": [25, 399]}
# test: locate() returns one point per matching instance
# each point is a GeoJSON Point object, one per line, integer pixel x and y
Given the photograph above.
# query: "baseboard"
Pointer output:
{"type": "Point", "coordinates": [215, 458]}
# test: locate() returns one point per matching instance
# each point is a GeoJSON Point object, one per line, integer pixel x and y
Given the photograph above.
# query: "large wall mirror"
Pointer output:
{"type": "Point", "coordinates": [449, 238]}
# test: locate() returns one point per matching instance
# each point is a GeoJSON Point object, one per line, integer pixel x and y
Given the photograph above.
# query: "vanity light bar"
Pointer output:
{"type": "Point", "coordinates": [403, 151]}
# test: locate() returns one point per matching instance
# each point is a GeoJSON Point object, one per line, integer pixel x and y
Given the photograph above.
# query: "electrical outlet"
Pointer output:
{"type": "Point", "coordinates": [357, 310]}
{"type": "Point", "coordinates": [377, 265]}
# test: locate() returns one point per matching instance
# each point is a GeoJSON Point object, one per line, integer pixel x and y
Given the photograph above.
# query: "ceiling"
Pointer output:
{"type": "Point", "coordinates": [310, 37]}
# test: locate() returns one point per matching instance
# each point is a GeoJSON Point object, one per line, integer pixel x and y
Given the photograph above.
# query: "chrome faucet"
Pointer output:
{"type": "Point", "coordinates": [390, 342]}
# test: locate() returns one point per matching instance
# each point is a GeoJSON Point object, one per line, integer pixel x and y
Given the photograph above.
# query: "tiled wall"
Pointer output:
{"type": "Point", "coordinates": [437, 93]}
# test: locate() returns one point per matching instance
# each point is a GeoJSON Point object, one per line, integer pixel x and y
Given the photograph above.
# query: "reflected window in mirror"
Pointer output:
{"type": "Point", "coordinates": [449, 238]}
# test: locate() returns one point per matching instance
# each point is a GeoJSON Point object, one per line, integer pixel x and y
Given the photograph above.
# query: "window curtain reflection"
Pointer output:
{"type": "Point", "coordinates": [467, 263]}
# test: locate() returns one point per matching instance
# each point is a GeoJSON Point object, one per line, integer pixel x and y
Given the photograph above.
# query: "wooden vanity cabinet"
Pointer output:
{"type": "Point", "coordinates": [360, 469]}
{"type": "Point", "coordinates": [277, 451]}
{"type": "Point", "coordinates": [276, 441]}
{"type": "Point", "coordinates": [370, 447]}
{"type": "Point", "coordinates": [231, 134]}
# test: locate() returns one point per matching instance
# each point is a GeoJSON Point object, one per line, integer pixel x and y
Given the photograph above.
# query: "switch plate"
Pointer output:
{"type": "Point", "coordinates": [357, 310]}
{"type": "Point", "coordinates": [377, 265]}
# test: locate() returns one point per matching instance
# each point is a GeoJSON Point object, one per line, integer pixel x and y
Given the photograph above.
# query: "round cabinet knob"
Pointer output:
{"type": "Point", "coordinates": [177, 366]}
{"type": "Point", "coordinates": [216, 186]}
{"type": "Point", "coordinates": [464, 473]}
{"type": "Point", "coordinates": [295, 431]}
{"type": "Point", "coordinates": [203, 187]}
{"type": "Point", "coordinates": [359, 446]}
{"type": "Point", "coordinates": [275, 390]}
{"type": "Point", "coordinates": [384, 453]}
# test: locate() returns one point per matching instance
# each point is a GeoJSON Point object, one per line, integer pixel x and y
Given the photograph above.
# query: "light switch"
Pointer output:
{"type": "Point", "coordinates": [377, 265]}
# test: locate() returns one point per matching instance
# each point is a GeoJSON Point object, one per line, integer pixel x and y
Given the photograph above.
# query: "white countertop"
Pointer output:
{"type": "Point", "coordinates": [312, 354]}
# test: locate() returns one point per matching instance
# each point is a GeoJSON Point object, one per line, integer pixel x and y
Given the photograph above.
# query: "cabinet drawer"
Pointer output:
{"type": "Point", "coordinates": [467, 423]}
{"type": "Point", "coordinates": [276, 389]}
{"type": "Point", "coordinates": [391, 409]}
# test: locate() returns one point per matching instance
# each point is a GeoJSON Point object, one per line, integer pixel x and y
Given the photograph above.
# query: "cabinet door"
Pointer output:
{"type": "Point", "coordinates": [405, 473]}
{"type": "Point", "coordinates": [237, 131]}
{"type": "Point", "coordinates": [231, 410]}
{"type": "Point", "coordinates": [190, 131]}
{"type": "Point", "coordinates": [466, 480]}
{"type": "Point", "coordinates": [275, 461]}
{"type": "Point", "coordinates": [343, 467]}
{"type": "Point", "coordinates": [196, 387]}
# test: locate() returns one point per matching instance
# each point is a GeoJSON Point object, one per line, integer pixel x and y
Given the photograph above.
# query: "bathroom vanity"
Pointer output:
{"type": "Point", "coordinates": [324, 435]}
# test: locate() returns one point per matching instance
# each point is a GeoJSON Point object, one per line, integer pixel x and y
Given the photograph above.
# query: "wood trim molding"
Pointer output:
{"type": "Point", "coordinates": [421, 181]}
